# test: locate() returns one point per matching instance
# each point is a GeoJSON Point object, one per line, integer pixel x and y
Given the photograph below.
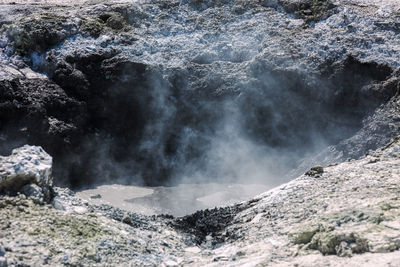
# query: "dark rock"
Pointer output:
{"type": "Point", "coordinates": [2, 251]}
{"type": "Point", "coordinates": [316, 171]}
{"type": "Point", "coordinates": [27, 105]}
{"type": "Point", "coordinates": [73, 81]}
{"type": "Point", "coordinates": [208, 223]}
{"type": "Point", "coordinates": [126, 219]}
{"type": "Point", "coordinates": [115, 22]}
{"type": "Point", "coordinates": [38, 33]}
{"type": "Point", "coordinates": [92, 27]}
{"type": "Point", "coordinates": [309, 10]}
{"type": "Point", "coordinates": [97, 196]}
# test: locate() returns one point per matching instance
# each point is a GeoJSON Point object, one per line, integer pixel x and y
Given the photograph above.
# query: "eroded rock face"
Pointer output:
{"type": "Point", "coordinates": [153, 86]}
{"type": "Point", "coordinates": [27, 170]}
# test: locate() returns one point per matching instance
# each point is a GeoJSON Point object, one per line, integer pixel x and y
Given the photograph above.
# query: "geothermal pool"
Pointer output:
{"type": "Point", "coordinates": [177, 200]}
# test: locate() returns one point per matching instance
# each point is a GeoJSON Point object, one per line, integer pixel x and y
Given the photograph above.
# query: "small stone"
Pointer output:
{"type": "Point", "coordinates": [80, 210]}
{"type": "Point", "coordinates": [58, 204]}
{"type": "Point", "coordinates": [97, 196]}
{"type": "Point", "coordinates": [2, 251]}
{"type": "Point", "coordinates": [315, 171]}
{"type": "Point", "coordinates": [305, 236]}
{"type": "Point", "coordinates": [126, 219]}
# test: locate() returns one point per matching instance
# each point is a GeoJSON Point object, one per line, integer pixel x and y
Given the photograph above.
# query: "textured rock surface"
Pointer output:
{"type": "Point", "coordinates": [27, 170]}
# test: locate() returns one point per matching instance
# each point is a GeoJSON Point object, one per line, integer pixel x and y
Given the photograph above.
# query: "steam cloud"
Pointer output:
{"type": "Point", "coordinates": [257, 135]}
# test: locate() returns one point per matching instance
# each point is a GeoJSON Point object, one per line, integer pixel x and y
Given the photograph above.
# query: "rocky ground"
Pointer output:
{"type": "Point", "coordinates": [346, 214]}
{"type": "Point", "coordinates": [144, 90]}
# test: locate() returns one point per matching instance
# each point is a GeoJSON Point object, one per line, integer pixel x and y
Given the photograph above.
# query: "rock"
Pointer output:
{"type": "Point", "coordinates": [27, 165]}
{"type": "Point", "coordinates": [315, 171]}
{"type": "Point", "coordinates": [170, 263]}
{"type": "Point", "coordinates": [2, 251]}
{"type": "Point", "coordinates": [58, 204]}
{"type": "Point", "coordinates": [80, 209]}
{"type": "Point", "coordinates": [339, 244]}
{"type": "Point", "coordinates": [38, 32]}
{"type": "Point", "coordinates": [126, 219]}
{"type": "Point", "coordinates": [92, 27]}
{"type": "Point", "coordinates": [115, 22]}
{"type": "Point", "coordinates": [3, 259]}
{"type": "Point", "coordinates": [304, 235]}
{"type": "Point", "coordinates": [38, 194]}
{"type": "Point", "coordinates": [37, 111]}
{"type": "Point", "coordinates": [309, 10]}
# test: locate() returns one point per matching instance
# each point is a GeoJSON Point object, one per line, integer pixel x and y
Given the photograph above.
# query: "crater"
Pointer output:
{"type": "Point", "coordinates": [221, 116]}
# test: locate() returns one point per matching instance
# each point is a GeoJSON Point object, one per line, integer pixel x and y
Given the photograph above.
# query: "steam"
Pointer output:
{"type": "Point", "coordinates": [214, 162]}
{"type": "Point", "coordinates": [211, 110]}
{"type": "Point", "coordinates": [258, 135]}
{"type": "Point", "coordinates": [233, 157]}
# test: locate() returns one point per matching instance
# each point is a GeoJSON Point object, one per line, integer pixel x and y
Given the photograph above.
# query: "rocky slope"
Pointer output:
{"type": "Point", "coordinates": [154, 92]}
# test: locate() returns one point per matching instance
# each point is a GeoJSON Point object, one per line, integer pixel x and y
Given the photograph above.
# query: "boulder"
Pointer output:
{"type": "Point", "coordinates": [27, 170]}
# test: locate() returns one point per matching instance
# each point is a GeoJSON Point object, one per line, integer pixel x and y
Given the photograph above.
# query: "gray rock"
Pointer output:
{"type": "Point", "coordinates": [3, 259]}
{"type": "Point", "coordinates": [36, 193]}
{"type": "Point", "coordinates": [97, 196]}
{"type": "Point", "coordinates": [2, 251]}
{"type": "Point", "coordinates": [26, 165]}
{"type": "Point", "coordinates": [58, 203]}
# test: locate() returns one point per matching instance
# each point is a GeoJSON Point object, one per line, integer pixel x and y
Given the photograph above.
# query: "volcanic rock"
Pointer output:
{"type": "Point", "coordinates": [315, 171]}
{"type": "Point", "coordinates": [27, 170]}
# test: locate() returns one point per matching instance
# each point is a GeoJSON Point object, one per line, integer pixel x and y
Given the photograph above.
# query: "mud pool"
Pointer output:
{"type": "Point", "coordinates": [178, 200]}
